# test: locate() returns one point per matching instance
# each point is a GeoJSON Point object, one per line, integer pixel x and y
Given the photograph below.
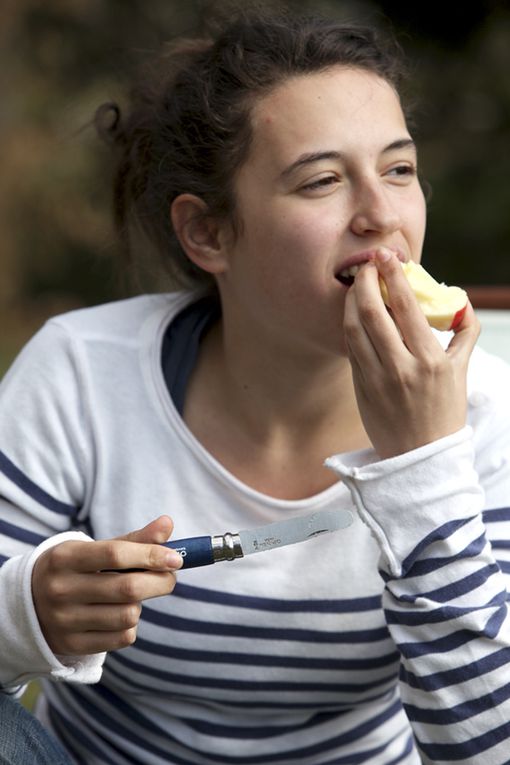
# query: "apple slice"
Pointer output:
{"type": "Point", "coordinates": [443, 306]}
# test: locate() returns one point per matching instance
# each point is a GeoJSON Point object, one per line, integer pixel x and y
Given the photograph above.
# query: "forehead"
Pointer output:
{"type": "Point", "coordinates": [340, 107]}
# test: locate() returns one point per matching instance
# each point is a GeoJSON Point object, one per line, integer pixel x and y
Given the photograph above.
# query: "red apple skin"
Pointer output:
{"type": "Point", "coordinates": [457, 319]}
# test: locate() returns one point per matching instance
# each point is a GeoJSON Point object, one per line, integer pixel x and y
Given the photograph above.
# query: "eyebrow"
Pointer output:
{"type": "Point", "coordinates": [318, 156]}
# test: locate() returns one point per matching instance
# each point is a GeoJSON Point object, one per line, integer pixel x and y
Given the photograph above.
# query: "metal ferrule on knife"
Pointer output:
{"type": "Point", "coordinates": [226, 547]}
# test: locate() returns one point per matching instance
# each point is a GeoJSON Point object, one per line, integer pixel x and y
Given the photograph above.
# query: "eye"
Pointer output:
{"type": "Point", "coordinates": [320, 183]}
{"type": "Point", "coordinates": [403, 172]}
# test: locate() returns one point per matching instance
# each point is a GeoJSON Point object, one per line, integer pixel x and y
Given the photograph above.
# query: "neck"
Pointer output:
{"type": "Point", "coordinates": [277, 396]}
{"type": "Point", "coordinates": [272, 418]}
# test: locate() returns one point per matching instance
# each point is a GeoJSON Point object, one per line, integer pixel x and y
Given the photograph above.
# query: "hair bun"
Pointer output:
{"type": "Point", "coordinates": [108, 123]}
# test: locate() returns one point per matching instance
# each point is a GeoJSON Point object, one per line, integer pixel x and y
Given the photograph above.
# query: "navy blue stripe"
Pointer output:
{"type": "Point", "coordinates": [463, 711]}
{"type": "Point", "coordinates": [504, 566]}
{"type": "Point", "coordinates": [493, 626]}
{"type": "Point", "coordinates": [500, 544]}
{"type": "Point", "coordinates": [264, 660]}
{"type": "Point", "coordinates": [229, 704]}
{"type": "Point", "coordinates": [439, 534]}
{"type": "Point", "coordinates": [496, 514]}
{"type": "Point", "coordinates": [441, 613]}
{"type": "Point", "coordinates": [178, 623]}
{"type": "Point", "coordinates": [26, 485]}
{"type": "Point", "coordinates": [252, 686]}
{"type": "Point", "coordinates": [439, 645]}
{"type": "Point", "coordinates": [465, 749]}
{"type": "Point", "coordinates": [446, 678]}
{"type": "Point", "coordinates": [250, 732]}
{"type": "Point", "coordinates": [22, 535]}
{"type": "Point", "coordinates": [3, 559]}
{"type": "Point", "coordinates": [474, 548]}
{"type": "Point", "coordinates": [455, 589]}
{"type": "Point", "coordinates": [346, 605]}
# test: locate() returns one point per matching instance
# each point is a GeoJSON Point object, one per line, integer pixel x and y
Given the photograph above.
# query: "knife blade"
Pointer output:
{"type": "Point", "coordinates": [206, 550]}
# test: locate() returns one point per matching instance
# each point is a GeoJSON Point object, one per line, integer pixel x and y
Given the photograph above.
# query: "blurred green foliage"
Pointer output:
{"type": "Point", "coordinates": [60, 59]}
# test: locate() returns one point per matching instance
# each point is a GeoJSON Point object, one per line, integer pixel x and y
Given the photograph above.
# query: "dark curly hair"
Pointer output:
{"type": "Point", "coordinates": [187, 127]}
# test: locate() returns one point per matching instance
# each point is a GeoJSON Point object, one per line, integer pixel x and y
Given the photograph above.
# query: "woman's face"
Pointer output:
{"type": "Point", "coordinates": [331, 175]}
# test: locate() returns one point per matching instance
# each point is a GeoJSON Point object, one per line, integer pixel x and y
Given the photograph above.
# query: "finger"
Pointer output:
{"type": "Point", "coordinates": [132, 587]}
{"type": "Point", "coordinates": [157, 531]}
{"type": "Point", "coordinates": [85, 617]}
{"type": "Point", "coordinates": [374, 317]}
{"type": "Point", "coordinates": [359, 347]}
{"type": "Point", "coordinates": [115, 554]}
{"type": "Point", "coordinates": [405, 310]}
{"type": "Point", "coordinates": [465, 337]}
{"type": "Point", "coordinates": [86, 643]}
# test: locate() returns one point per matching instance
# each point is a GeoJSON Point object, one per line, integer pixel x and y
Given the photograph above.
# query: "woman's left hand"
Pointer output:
{"type": "Point", "coordinates": [410, 391]}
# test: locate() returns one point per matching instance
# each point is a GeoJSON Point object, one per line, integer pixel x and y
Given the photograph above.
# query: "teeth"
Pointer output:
{"type": "Point", "coordinates": [352, 271]}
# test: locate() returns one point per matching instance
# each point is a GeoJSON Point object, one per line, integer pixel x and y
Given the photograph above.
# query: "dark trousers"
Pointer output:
{"type": "Point", "coordinates": [23, 740]}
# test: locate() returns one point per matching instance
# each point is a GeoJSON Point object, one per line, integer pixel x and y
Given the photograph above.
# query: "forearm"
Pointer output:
{"type": "Point", "coordinates": [444, 597]}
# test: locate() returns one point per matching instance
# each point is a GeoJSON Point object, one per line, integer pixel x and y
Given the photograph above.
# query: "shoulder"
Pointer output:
{"type": "Point", "coordinates": [67, 343]}
{"type": "Point", "coordinates": [118, 319]}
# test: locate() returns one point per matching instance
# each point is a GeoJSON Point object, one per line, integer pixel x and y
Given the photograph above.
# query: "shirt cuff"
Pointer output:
{"type": "Point", "coordinates": [23, 639]}
{"type": "Point", "coordinates": [405, 499]}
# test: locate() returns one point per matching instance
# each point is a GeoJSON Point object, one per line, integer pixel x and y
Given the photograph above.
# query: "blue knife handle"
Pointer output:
{"type": "Point", "coordinates": [195, 551]}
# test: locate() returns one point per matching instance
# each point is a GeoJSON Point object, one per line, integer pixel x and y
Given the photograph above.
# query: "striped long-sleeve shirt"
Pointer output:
{"type": "Point", "coordinates": [386, 642]}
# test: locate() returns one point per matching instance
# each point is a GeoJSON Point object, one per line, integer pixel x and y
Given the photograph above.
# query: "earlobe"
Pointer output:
{"type": "Point", "coordinates": [198, 233]}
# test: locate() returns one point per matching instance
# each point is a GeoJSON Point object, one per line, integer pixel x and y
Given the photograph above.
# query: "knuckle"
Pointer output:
{"type": "Point", "coordinates": [172, 581]}
{"type": "Point", "coordinates": [155, 557]}
{"type": "Point", "coordinates": [370, 313]}
{"type": "Point", "coordinates": [350, 327]}
{"type": "Point", "coordinates": [70, 643]}
{"type": "Point", "coordinates": [400, 377]}
{"type": "Point", "coordinates": [126, 638]}
{"type": "Point", "coordinates": [400, 303]}
{"type": "Point", "coordinates": [58, 589]}
{"type": "Point", "coordinates": [112, 552]}
{"type": "Point", "coordinates": [431, 366]}
{"type": "Point", "coordinates": [130, 615]}
{"type": "Point", "coordinates": [129, 589]}
{"type": "Point", "coordinates": [58, 557]}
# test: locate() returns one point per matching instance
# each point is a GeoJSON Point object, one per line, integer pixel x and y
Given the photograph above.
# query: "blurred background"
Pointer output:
{"type": "Point", "coordinates": [59, 59]}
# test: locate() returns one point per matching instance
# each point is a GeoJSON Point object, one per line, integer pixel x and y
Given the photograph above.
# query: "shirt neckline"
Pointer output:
{"type": "Point", "coordinates": [178, 426]}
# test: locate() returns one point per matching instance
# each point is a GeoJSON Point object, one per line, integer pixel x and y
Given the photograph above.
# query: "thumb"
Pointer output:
{"type": "Point", "coordinates": [156, 532]}
{"type": "Point", "coordinates": [465, 337]}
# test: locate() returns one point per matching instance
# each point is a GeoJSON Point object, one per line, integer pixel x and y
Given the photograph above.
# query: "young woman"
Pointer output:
{"type": "Point", "coordinates": [273, 167]}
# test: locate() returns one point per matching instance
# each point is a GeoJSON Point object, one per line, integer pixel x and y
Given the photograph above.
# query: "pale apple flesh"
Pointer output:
{"type": "Point", "coordinates": [443, 306]}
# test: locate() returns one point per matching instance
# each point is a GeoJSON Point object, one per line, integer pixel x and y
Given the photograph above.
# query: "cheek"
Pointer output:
{"type": "Point", "coordinates": [290, 243]}
{"type": "Point", "coordinates": [417, 216]}
{"type": "Point", "coordinates": [304, 236]}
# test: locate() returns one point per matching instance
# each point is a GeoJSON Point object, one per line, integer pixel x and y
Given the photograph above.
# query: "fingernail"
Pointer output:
{"type": "Point", "coordinates": [173, 559]}
{"type": "Point", "coordinates": [383, 254]}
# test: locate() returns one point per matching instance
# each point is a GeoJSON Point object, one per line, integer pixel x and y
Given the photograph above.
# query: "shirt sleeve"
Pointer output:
{"type": "Point", "coordinates": [445, 594]}
{"type": "Point", "coordinates": [46, 469]}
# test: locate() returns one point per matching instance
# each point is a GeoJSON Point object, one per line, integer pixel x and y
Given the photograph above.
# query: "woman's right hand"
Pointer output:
{"type": "Point", "coordinates": [83, 608]}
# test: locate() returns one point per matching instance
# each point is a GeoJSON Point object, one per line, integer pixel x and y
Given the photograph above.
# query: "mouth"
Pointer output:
{"type": "Point", "coordinates": [347, 274]}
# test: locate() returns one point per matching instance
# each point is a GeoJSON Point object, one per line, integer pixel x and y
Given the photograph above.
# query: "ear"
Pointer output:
{"type": "Point", "coordinates": [200, 235]}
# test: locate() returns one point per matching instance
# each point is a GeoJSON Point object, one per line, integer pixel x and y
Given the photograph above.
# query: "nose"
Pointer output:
{"type": "Point", "coordinates": [375, 211]}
